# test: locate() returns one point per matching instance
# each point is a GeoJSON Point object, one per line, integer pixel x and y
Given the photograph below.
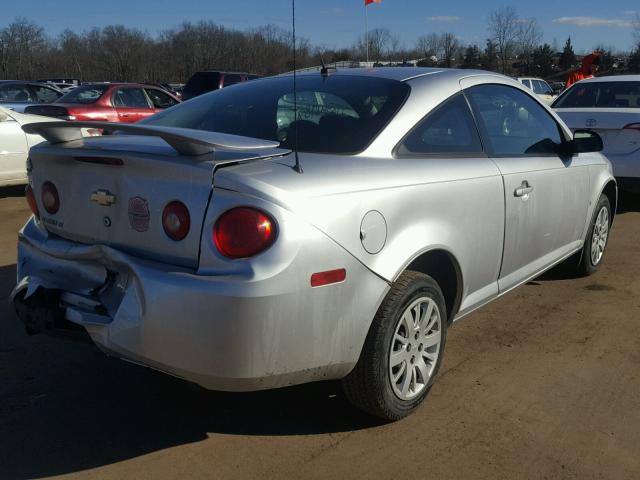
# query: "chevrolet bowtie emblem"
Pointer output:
{"type": "Point", "coordinates": [103, 197]}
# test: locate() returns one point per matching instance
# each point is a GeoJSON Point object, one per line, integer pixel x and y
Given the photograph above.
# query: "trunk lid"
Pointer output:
{"type": "Point", "coordinates": [609, 123]}
{"type": "Point", "coordinates": [113, 191]}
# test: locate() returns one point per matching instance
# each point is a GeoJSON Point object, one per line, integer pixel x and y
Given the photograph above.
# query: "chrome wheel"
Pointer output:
{"type": "Point", "coordinates": [599, 236]}
{"type": "Point", "coordinates": [415, 348]}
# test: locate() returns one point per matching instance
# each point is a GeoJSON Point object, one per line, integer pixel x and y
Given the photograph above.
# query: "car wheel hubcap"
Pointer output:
{"type": "Point", "coordinates": [600, 236]}
{"type": "Point", "coordinates": [415, 348]}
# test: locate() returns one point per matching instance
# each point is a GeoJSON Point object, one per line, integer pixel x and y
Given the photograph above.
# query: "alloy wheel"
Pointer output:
{"type": "Point", "coordinates": [600, 236]}
{"type": "Point", "coordinates": [415, 348]}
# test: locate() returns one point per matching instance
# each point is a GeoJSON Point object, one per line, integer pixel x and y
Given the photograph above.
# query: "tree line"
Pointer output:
{"type": "Point", "coordinates": [117, 53]}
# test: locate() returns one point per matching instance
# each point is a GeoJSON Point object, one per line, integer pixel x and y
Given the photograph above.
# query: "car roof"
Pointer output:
{"type": "Point", "coordinates": [404, 74]}
{"type": "Point", "coordinates": [27, 82]}
{"type": "Point", "coordinates": [224, 72]}
{"type": "Point", "coordinates": [613, 78]}
{"type": "Point", "coordinates": [119, 84]}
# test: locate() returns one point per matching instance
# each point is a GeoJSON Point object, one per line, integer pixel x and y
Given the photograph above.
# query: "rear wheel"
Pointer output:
{"type": "Point", "coordinates": [403, 350]}
{"type": "Point", "coordinates": [597, 238]}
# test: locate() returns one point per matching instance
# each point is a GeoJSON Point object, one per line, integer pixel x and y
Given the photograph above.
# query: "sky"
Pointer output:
{"type": "Point", "coordinates": [337, 23]}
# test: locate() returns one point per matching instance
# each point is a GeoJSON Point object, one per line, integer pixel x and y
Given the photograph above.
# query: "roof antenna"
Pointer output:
{"type": "Point", "coordinates": [324, 70]}
{"type": "Point", "coordinates": [298, 166]}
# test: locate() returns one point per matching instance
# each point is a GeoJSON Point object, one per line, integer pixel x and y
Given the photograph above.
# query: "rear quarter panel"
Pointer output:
{"type": "Point", "coordinates": [456, 205]}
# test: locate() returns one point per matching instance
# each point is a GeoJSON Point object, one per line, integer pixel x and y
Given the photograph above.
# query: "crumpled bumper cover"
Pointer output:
{"type": "Point", "coordinates": [221, 332]}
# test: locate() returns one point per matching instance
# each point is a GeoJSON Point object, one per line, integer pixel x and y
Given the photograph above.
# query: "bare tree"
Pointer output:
{"type": "Point", "coordinates": [429, 47]}
{"type": "Point", "coordinates": [394, 47]}
{"type": "Point", "coordinates": [503, 29]}
{"type": "Point", "coordinates": [636, 30]}
{"type": "Point", "coordinates": [450, 47]}
{"type": "Point", "coordinates": [379, 40]}
{"type": "Point", "coordinates": [23, 48]}
{"type": "Point", "coordinates": [529, 37]}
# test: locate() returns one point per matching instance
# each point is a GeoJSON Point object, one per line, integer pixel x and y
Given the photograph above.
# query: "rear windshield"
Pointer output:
{"type": "Point", "coordinates": [336, 114]}
{"type": "Point", "coordinates": [601, 95]}
{"type": "Point", "coordinates": [202, 82]}
{"type": "Point", "coordinates": [86, 94]}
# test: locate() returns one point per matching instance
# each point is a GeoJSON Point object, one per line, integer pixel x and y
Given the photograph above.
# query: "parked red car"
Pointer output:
{"type": "Point", "coordinates": [108, 102]}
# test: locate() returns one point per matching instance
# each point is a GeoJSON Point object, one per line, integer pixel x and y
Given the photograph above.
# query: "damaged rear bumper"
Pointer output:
{"type": "Point", "coordinates": [224, 333]}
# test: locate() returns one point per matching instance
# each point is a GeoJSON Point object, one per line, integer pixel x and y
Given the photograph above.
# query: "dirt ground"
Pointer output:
{"type": "Point", "coordinates": [542, 384]}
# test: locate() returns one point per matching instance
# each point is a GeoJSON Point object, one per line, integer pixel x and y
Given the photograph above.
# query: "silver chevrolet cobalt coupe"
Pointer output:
{"type": "Point", "coordinates": [258, 237]}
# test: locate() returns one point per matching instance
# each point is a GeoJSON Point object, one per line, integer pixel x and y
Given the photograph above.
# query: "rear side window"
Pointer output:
{"type": "Point", "coordinates": [513, 123]}
{"type": "Point", "coordinates": [16, 93]}
{"type": "Point", "coordinates": [160, 99]}
{"type": "Point", "coordinates": [448, 129]}
{"type": "Point", "coordinates": [601, 95]}
{"type": "Point", "coordinates": [526, 83]}
{"type": "Point", "coordinates": [336, 114]}
{"type": "Point", "coordinates": [129, 98]}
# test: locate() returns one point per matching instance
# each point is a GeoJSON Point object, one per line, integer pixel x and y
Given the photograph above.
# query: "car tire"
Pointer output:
{"type": "Point", "coordinates": [597, 237]}
{"type": "Point", "coordinates": [397, 343]}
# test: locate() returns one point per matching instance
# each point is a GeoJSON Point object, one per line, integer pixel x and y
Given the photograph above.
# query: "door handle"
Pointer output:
{"type": "Point", "coordinates": [523, 189]}
{"type": "Point", "coordinates": [124, 115]}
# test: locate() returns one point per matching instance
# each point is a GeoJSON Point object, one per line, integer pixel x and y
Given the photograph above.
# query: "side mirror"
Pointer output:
{"type": "Point", "coordinates": [585, 141]}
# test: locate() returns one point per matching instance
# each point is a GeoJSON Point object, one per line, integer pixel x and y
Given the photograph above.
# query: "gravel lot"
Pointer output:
{"type": "Point", "coordinates": [543, 383]}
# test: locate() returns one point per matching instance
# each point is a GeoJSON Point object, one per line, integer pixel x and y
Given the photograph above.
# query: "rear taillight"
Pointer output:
{"type": "Point", "coordinates": [50, 198]}
{"type": "Point", "coordinates": [31, 200]}
{"type": "Point", "coordinates": [632, 126]}
{"type": "Point", "coordinates": [176, 220]}
{"type": "Point", "coordinates": [244, 232]}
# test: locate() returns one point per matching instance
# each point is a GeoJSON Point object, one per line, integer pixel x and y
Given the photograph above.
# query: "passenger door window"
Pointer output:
{"type": "Point", "coordinates": [131, 104]}
{"type": "Point", "coordinates": [542, 88]}
{"type": "Point", "coordinates": [160, 99]}
{"type": "Point", "coordinates": [45, 94]}
{"type": "Point", "coordinates": [130, 98]}
{"type": "Point", "coordinates": [513, 123]}
{"type": "Point", "coordinates": [449, 129]}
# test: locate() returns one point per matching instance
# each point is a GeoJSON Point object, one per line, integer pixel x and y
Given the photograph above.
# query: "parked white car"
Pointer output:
{"type": "Point", "coordinates": [609, 106]}
{"type": "Point", "coordinates": [14, 146]}
{"type": "Point", "coordinates": [540, 88]}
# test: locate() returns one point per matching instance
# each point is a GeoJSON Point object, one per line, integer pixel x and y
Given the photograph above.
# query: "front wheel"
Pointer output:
{"type": "Point", "coordinates": [403, 350]}
{"type": "Point", "coordinates": [597, 238]}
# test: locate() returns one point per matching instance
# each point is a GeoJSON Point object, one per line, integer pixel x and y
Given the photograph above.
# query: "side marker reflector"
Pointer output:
{"type": "Point", "coordinates": [326, 278]}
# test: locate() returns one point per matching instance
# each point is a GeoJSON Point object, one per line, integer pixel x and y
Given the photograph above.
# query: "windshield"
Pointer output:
{"type": "Point", "coordinates": [335, 114]}
{"type": "Point", "coordinates": [86, 94]}
{"type": "Point", "coordinates": [601, 95]}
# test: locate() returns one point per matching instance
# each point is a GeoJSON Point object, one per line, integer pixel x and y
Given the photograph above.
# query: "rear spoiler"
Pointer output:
{"type": "Point", "coordinates": [185, 141]}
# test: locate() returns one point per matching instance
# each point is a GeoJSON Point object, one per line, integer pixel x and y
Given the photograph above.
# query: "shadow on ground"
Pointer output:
{"type": "Point", "coordinates": [563, 271]}
{"type": "Point", "coordinates": [66, 407]}
{"type": "Point", "coordinates": [14, 191]}
{"type": "Point", "coordinates": [628, 202]}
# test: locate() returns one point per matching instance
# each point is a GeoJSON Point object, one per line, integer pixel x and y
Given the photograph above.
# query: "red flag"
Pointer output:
{"type": "Point", "coordinates": [367, 2]}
